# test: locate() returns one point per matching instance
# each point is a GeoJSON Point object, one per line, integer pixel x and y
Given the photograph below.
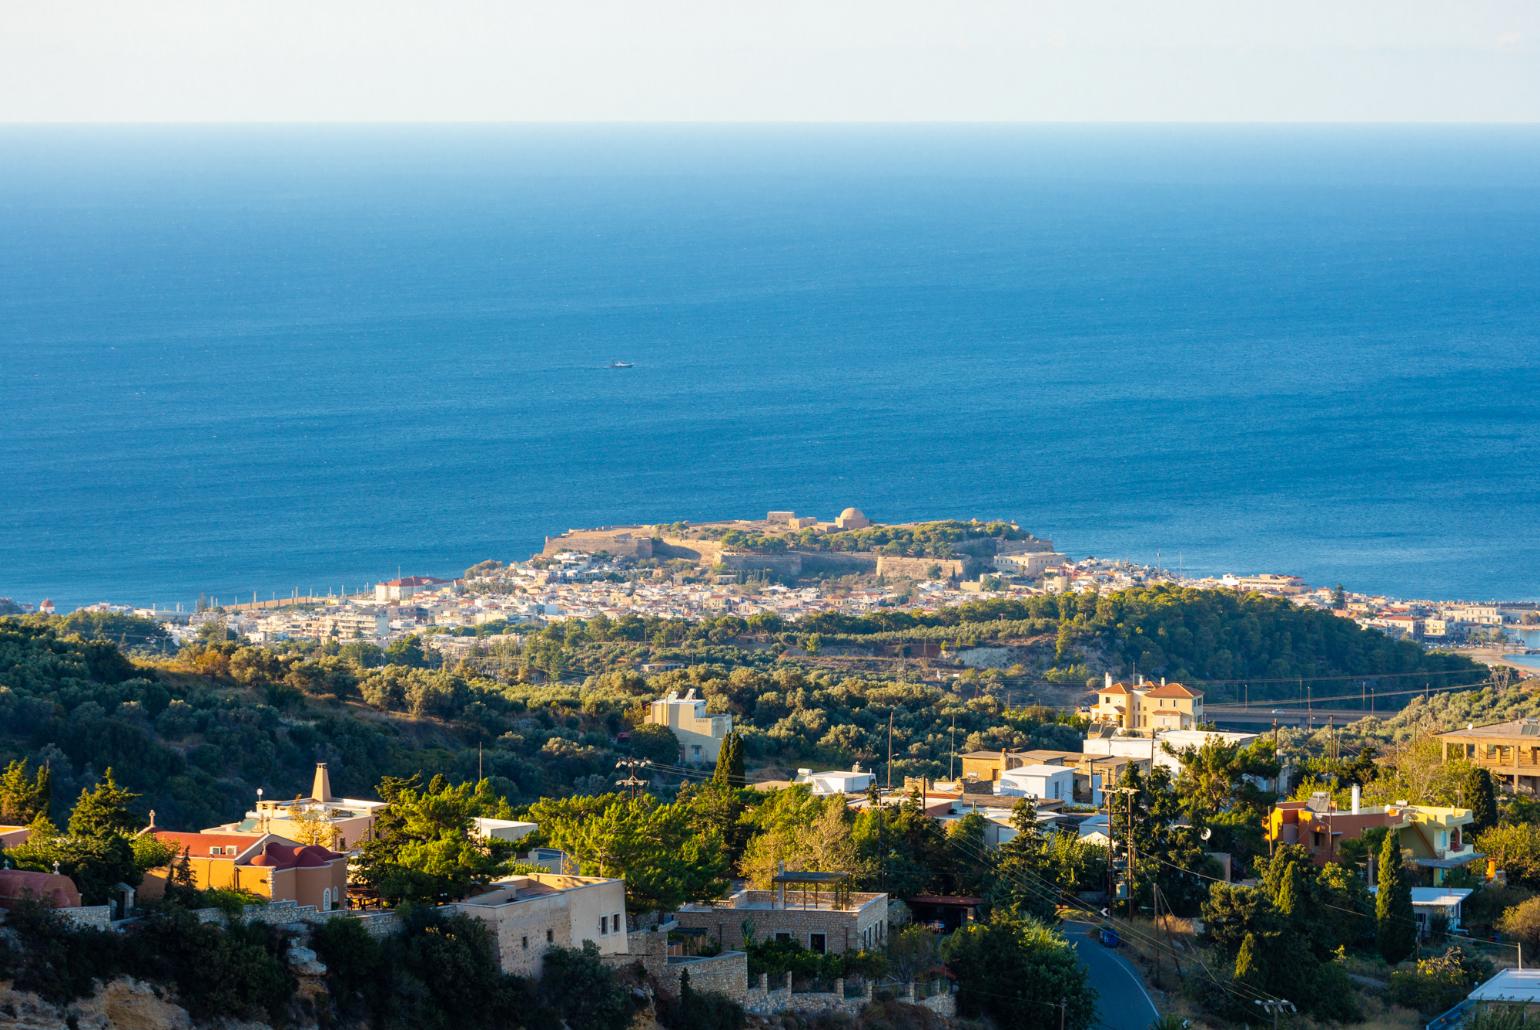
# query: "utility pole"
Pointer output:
{"type": "Point", "coordinates": [1128, 843]}
{"type": "Point", "coordinates": [632, 782]}
{"type": "Point", "coordinates": [890, 749]}
{"type": "Point", "coordinates": [1275, 1006]}
{"type": "Point", "coordinates": [952, 761]}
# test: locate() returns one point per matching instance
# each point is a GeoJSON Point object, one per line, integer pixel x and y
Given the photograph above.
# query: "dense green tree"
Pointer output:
{"type": "Point", "coordinates": [1515, 847]}
{"type": "Point", "coordinates": [1481, 798]}
{"type": "Point", "coordinates": [1248, 970]}
{"type": "Point", "coordinates": [24, 796]}
{"type": "Point", "coordinates": [1019, 973]}
{"type": "Point", "coordinates": [665, 853]}
{"type": "Point", "coordinates": [577, 983]}
{"type": "Point", "coordinates": [1395, 924]}
{"type": "Point", "coordinates": [424, 848]}
{"type": "Point", "coordinates": [104, 810]}
{"type": "Point", "coordinates": [730, 767]}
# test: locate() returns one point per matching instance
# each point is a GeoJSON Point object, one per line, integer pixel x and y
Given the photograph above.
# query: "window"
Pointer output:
{"type": "Point", "coordinates": [525, 942]}
{"type": "Point", "coordinates": [326, 899]}
{"type": "Point", "coordinates": [214, 850]}
{"type": "Point", "coordinates": [817, 943]}
{"type": "Point", "coordinates": [604, 924]}
{"type": "Point", "coordinates": [620, 923]}
{"type": "Point", "coordinates": [550, 936]}
{"type": "Point", "coordinates": [782, 938]}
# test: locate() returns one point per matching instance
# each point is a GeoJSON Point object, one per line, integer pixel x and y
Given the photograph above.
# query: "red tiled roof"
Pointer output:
{"type": "Point", "coordinates": [200, 843]}
{"type": "Point", "coordinates": [280, 855]}
{"type": "Point", "coordinates": [1116, 688]}
{"type": "Point", "coordinates": [1175, 690]}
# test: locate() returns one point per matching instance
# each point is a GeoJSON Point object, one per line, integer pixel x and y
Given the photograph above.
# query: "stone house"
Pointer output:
{"type": "Point", "coordinates": [532, 913]}
{"type": "Point", "coordinates": [816, 910]}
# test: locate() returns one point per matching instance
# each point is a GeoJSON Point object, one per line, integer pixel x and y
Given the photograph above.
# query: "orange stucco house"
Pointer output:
{"type": "Point", "coordinates": [265, 864]}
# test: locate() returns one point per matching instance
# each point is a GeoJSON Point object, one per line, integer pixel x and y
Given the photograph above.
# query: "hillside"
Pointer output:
{"type": "Point", "coordinates": [199, 732]}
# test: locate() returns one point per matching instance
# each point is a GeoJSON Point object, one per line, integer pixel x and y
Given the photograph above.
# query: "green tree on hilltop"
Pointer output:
{"type": "Point", "coordinates": [1396, 928]}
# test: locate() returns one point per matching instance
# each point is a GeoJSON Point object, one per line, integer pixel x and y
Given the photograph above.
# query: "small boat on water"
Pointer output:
{"type": "Point", "coordinates": [621, 364]}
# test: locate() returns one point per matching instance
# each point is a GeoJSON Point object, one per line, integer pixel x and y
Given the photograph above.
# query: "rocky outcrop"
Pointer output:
{"type": "Point", "coordinates": [122, 1004]}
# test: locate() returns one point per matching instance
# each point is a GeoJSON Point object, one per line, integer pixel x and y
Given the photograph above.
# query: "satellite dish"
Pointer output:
{"type": "Point", "coordinates": [1207, 832]}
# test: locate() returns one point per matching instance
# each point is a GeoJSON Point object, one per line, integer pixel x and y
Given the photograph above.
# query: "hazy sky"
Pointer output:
{"type": "Point", "coordinates": [773, 60]}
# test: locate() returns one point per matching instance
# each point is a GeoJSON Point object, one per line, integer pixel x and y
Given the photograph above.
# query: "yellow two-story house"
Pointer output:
{"type": "Point", "coordinates": [1143, 708]}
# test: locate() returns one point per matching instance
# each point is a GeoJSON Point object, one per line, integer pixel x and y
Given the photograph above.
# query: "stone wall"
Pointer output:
{"type": "Point", "coordinates": [96, 917]}
{"type": "Point", "coordinates": [726, 974]}
{"type": "Point", "coordinates": [894, 567]}
{"type": "Point", "coordinates": [788, 566]}
{"type": "Point", "coordinates": [285, 913]}
{"type": "Point", "coordinates": [763, 999]}
{"type": "Point", "coordinates": [838, 563]}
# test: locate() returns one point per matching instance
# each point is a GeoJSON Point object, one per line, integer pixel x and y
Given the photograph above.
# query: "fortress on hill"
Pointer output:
{"type": "Point", "coordinates": [790, 546]}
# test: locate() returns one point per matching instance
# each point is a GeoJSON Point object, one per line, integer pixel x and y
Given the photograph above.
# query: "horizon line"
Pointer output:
{"type": "Point", "coordinates": [776, 122]}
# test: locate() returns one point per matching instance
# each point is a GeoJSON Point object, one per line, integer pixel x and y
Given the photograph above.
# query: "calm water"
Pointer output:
{"type": "Point", "coordinates": [236, 360]}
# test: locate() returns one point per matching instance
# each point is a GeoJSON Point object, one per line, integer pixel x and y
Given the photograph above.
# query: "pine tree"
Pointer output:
{"type": "Point", "coordinates": [1481, 799]}
{"type": "Point", "coordinates": [102, 811]}
{"type": "Point", "coordinates": [23, 797]}
{"type": "Point", "coordinates": [1395, 926]}
{"type": "Point", "coordinates": [730, 768]}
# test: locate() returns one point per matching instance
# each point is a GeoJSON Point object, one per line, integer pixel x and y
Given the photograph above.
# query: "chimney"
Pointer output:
{"type": "Point", "coordinates": [1163, 681]}
{"type": "Point", "coordinates": [1358, 796]}
{"type": "Point", "coordinates": [1107, 680]}
{"type": "Point", "coordinates": [321, 790]}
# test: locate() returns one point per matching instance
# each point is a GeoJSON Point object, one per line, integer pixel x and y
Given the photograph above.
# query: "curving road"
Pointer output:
{"type": "Point", "coordinates": [1121, 1000]}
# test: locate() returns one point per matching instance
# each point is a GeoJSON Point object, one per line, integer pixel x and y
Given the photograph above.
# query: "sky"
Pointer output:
{"type": "Point", "coordinates": [771, 60]}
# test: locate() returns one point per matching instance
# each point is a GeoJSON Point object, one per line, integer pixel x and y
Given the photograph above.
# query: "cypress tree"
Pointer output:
{"type": "Point", "coordinates": [730, 768]}
{"type": "Point", "coordinates": [1287, 901]}
{"type": "Point", "coordinates": [1395, 927]}
{"type": "Point", "coordinates": [1248, 964]}
{"type": "Point", "coordinates": [1481, 798]}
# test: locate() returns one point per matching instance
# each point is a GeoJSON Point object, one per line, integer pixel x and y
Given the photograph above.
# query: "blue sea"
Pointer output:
{"type": "Point", "coordinates": [238, 360]}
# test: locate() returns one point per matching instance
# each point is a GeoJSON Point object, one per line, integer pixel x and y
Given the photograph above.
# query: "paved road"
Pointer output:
{"type": "Point", "coordinates": [1121, 1001]}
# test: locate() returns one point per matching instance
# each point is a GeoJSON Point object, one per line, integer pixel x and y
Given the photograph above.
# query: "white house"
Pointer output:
{"type": "Point", "coordinates": [503, 829]}
{"type": "Point", "coordinates": [1152, 749]}
{"type": "Point", "coordinates": [1509, 987]}
{"type": "Point", "coordinates": [856, 781]}
{"type": "Point", "coordinates": [1430, 903]}
{"type": "Point", "coordinates": [1043, 782]}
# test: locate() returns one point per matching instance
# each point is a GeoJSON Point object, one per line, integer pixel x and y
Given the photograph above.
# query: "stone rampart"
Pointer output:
{"type": "Point", "coordinates": [894, 567]}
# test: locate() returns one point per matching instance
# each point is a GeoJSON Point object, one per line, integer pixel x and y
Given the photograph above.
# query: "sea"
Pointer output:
{"type": "Point", "coordinates": [241, 361]}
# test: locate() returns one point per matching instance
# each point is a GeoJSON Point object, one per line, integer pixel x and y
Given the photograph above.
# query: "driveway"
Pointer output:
{"type": "Point", "coordinates": [1121, 1000]}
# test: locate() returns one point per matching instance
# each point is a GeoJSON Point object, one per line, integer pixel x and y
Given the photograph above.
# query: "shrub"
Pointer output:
{"type": "Point", "coordinates": [1439, 982]}
{"type": "Point", "coordinates": [1522, 922]}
